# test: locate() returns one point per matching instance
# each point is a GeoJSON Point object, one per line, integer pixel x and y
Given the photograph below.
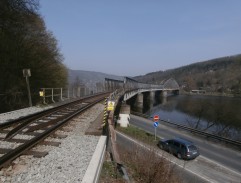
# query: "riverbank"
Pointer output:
{"type": "Point", "coordinates": [217, 115]}
{"type": "Point", "coordinates": [214, 94]}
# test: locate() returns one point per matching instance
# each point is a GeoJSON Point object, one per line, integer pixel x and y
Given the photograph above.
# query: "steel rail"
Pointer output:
{"type": "Point", "coordinates": [28, 119]}
{"type": "Point", "coordinates": [10, 156]}
{"type": "Point", "coordinates": [35, 116]}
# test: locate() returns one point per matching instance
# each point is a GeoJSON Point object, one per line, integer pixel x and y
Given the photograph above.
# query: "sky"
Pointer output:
{"type": "Point", "coordinates": [136, 37]}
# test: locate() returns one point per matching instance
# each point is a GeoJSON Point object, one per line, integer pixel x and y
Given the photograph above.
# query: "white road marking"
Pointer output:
{"type": "Point", "coordinates": [224, 167]}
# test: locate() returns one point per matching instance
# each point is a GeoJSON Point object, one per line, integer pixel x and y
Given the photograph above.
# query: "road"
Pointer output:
{"type": "Point", "coordinates": [186, 176]}
{"type": "Point", "coordinates": [216, 162]}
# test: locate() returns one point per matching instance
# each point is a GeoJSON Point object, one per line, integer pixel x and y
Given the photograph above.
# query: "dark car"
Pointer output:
{"type": "Point", "coordinates": [182, 148]}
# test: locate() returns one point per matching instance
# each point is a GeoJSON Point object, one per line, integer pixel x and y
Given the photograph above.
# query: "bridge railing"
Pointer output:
{"type": "Point", "coordinates": [51, 93]}
{"type": "Point", "coordinates": [131, 87]}
{"type": "Point", "coordinates": [131, 93]}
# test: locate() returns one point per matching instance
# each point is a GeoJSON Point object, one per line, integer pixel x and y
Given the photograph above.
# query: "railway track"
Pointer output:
{"type": "Point", "coordinates": [37, 127]}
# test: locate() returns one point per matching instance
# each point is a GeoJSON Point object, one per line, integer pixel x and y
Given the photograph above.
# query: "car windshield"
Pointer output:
{"type": "Point", "coordinates": [192, 148]}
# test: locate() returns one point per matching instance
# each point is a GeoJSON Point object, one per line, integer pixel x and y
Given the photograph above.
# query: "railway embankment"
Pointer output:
{"type": "Point", "coordinates": [67, 162]}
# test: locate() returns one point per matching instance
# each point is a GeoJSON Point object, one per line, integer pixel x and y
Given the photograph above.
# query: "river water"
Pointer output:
{"type": "Point", "coordinates": [218, 115]}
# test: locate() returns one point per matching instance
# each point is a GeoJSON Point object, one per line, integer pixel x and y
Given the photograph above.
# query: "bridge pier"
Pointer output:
{"type": "Point", "coordinates": [152, 96]}
{"type": "Point", "coordinates": [149, 100]}
{"type": "Point", "coordinates": [164, 93]}
{"type": "Point", "coordinates": [161, 97]}
{"type": "Point", "coordinates": [144, 101]}
{"type": "Point", "coordinates": [124, 115]}
{"type": "Point", "coordinates": [139, 102]}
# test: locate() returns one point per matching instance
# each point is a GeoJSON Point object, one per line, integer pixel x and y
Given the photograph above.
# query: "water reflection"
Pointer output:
{"type": "Point", "coordinates": [219, 115]}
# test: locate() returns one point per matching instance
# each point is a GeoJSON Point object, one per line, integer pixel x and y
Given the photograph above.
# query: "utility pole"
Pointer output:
{"type": "Point", "coordinates": [27, 74]}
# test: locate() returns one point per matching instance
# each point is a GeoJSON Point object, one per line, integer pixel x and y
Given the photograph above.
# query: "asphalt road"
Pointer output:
{"type": "Point", "coordinates": [216, 163]}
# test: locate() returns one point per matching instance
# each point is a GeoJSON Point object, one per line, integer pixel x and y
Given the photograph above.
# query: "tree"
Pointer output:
{"type": "Point", "coordinates": [26, 44]}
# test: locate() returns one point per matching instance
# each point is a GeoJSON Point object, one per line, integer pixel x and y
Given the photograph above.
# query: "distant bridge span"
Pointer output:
{"type": "Point", "coordinates": [132, 87]}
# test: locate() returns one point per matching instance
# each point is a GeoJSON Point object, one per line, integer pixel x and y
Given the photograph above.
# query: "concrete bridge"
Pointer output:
{"type": "Point", "coordinates": [132, 87]}
{"type": "Point", "coordinates": [169, 85]}
{"type": "Point", "coordinates": [139, 94]}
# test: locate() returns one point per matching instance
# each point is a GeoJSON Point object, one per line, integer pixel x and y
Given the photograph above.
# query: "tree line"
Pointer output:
{"type": "Point", "coordinates": [25, 43]}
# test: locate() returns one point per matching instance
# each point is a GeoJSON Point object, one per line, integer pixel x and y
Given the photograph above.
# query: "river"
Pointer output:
{"type": "Point", "coordinates": [218, 115]}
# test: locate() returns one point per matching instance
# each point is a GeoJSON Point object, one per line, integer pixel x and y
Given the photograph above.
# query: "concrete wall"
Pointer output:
{"type": "Point", "coordinates": [94, 169]}
{"type": "Point", "coordinates": [124, 115]}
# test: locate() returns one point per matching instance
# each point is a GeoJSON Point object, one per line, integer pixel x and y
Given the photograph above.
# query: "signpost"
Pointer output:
{"type": "Point", "coordinates": [27, 74]}
{"type": "Point", "coordinates": [156, 119]}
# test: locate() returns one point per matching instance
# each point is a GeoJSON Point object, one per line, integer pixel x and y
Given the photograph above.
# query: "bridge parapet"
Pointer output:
{"type": "Point", "coordinates": [130, 94]}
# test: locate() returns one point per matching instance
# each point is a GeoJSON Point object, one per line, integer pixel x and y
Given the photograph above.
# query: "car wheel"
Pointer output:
{"type": "Point", "coordinates": [161, 146]}
{"type": "Point", "coordinates": [179, 155]}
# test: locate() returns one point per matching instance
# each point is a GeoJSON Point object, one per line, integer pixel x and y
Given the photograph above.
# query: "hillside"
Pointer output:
{"type": "Point", "coordinates": [216, 75]}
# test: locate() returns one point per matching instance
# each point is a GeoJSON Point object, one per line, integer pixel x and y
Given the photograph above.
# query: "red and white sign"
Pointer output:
{"type": "Point", "coordinates": [156, 118]}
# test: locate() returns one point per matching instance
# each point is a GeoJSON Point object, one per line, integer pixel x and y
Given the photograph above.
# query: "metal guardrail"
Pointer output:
{"type": "Point", "coordinates": [206, 134]}
{"type": "Point", "coordinates": [51, 93]}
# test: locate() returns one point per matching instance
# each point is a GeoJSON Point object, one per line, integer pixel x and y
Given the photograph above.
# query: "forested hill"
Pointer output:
{"type": "Point", "coordinates": [25, 43]}
{"type": "Point", "coordinates": [217, 75]}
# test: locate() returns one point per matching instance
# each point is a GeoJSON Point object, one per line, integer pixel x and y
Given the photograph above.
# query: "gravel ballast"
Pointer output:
{"type": "Point", "coordinates": [67, 163]}
{"type": "Point", "coordinates": [4, 117]}
{"type": "Point", "coordinates": [63, 164]}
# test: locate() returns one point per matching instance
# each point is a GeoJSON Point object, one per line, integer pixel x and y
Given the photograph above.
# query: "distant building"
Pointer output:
{"type": "Point", "coordinates": [198, 91]}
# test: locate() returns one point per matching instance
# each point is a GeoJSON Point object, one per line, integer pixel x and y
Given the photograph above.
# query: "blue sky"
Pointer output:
{"type": "Point", "coordinates": [135, 37]}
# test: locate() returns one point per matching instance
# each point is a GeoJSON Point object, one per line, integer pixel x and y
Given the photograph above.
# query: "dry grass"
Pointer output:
{"type": "Point", "coordinates": [143, 166]}
{"type": "Point", "coordinates": [138, 134]}
{"type": "Point", "coordinates": [109, 173]}
{"type": "Point", "coordinates": [147, 167]}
